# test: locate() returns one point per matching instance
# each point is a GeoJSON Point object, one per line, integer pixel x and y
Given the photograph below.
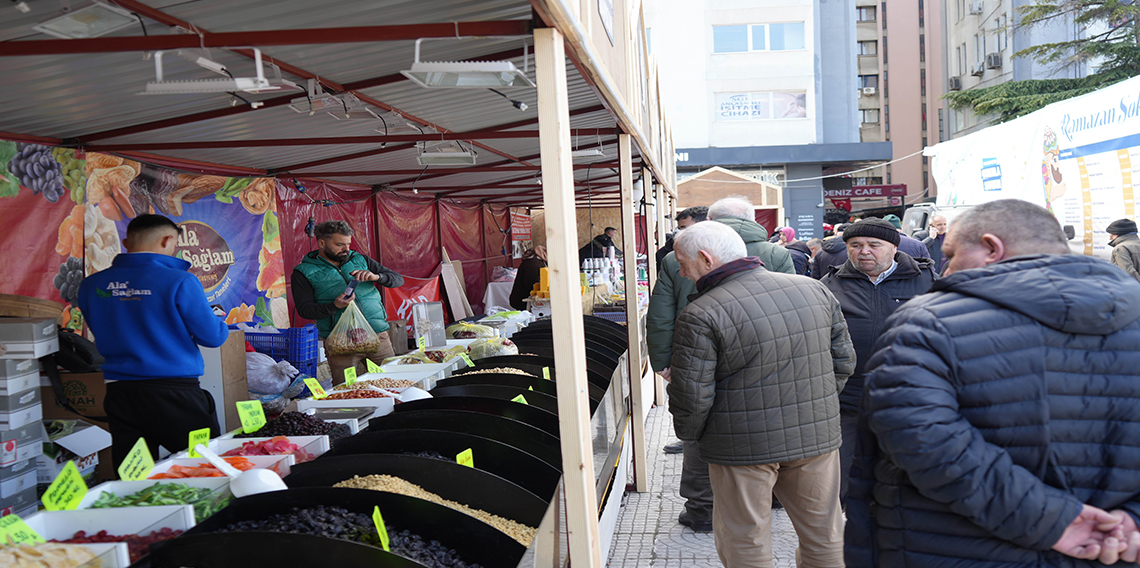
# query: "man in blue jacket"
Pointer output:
{"type": "Point", "coordinates": [149, 315]}
{"type": "Point", "coordinates": [1005, 407]}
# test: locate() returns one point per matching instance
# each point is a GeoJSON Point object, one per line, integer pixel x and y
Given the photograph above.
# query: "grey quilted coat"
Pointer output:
{"type": "Point", "coordinates": [759, 359]}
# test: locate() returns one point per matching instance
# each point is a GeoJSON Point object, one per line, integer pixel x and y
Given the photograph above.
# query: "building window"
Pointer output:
{"type": "Point", "coordinates": [884, 50]}
{"type": "Point", "coordinates": [979, 47]}
{"type": "Point", "coordinates": [869, 116]}
{"type": "Point", "coordinates": [961, 9]}
{"type": "Point", "coordinates": [922, 81]}
{"type": "Point", "coordinates": [886, 85]}
{"type": "Point", "coordinates": [865, 14]}
{"type": "Point", "coordinates": [962, 57]}
{"type": "Point", "coordinates": [922, 47]}
{"type": "Point", "coordinates": [758, 37]}
{"type": "Point", "coordinates": [869, 47]}
{"type": "Point", "coordinates": [921, 14]}
{"type": "Point", "coordinates": [649, 39]}
{"type": "Point", "coordinates": [1004, 31]}
{"type": "Point", "coordinates": [762, 105]}
{"type": "Point", "coordinates": [887, 117]}
{"type": "Point", "coordinates": [868, 81]}
{"type": "Point", "coordinates": [883, 14]}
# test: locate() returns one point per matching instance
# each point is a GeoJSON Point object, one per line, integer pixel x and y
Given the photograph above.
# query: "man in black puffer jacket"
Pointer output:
{"type": "Point", "coordinates": [832, 253]}
{"type": "Point", "coordinates": [1005, 407]}
{"type": "Point", "coordinates": [870, 286]}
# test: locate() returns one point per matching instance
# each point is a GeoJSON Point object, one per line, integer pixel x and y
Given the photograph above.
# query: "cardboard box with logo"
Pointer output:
{"type": "Point", "coordinates": [70, 440]}
{"type": "Point", "coordinates": [84, 391]}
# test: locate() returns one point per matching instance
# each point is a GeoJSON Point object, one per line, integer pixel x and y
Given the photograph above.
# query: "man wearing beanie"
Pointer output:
{"type": "Point", "coordinates": [876, 279]}
{"type": "Point", "coordinates": [911, 246]}
{"type": "Point", "coordinates": [1125, 246]}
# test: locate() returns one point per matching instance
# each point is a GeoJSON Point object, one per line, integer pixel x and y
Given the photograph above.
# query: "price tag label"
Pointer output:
{"type": "Point", "coordinates": [13, 530]}
{"type": "Point", "coordinates": [198, 437]}
{"type": "Point", "coordinates": [467, 360]}
{"type": "Point", "coordinates": [422, 342]}
{"type": "Point", "coordinates": [546, 373]}
{"type": "Point", "coordinates": [138, 463]}
{"type": "Point", "coordinates": [350, 375]}
{"type": "Point", "coordinates": [519, 398]}
{"type": "Point", "coordinates": [466, 457]}
{"type": "Point", "coordinates": [381, 530]}
{"type": "Point", "coordinates": [252, 415]}
{"type": "Point", "coordinates": [529, 389]}
{"type": "Point", "coordinates": [65, 493]}
{"type": "Point", "coordinates": [373, 367]}
{"type": "Point", "coordinates": [316, 388]}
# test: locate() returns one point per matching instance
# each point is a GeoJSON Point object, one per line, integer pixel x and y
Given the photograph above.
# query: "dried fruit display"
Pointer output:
{"type": "Point", "coordinates": [356, 394]}
{"type": "Point", "coordinates": [257, 197]}
{"type": "Point", "coordinates": [205, 501]}
{"type": "Point", "coordinates": [276, 446]}
{"type": "Point", "coordinates": [45, 554]}
{"type": "Point", "coordinates": [68, 278]}
{"type": "Point", "coordinates": [298, 424]}
{"type": "Point", "coordinates": [139, 546]}
{"type": "Point", "coordinates": [203, 470]}
{"type": "Point", "coordinates": [496, 370]}
{"type": "Point", "coordinates": [381, 383]}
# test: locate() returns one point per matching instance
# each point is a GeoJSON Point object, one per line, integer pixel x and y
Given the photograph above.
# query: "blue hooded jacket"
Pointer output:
{"type": "Point", "coordinates": [149, 315]}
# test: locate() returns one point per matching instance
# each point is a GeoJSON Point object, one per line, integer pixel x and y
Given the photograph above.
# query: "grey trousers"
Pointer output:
{"type": "Point", "coordinates": [696, 488]}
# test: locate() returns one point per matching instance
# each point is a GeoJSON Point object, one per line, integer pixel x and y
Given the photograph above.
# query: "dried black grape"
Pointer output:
{"type": "Point", "coordinates": [298, 424]}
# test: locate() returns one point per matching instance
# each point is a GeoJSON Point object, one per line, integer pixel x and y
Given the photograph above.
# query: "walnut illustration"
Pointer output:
{"type": "Point", "coordinates": [257, 197]}
{"type": "Point", "coordinates": [102, 182]}
{"type": "Point", "coordinates": [96, 161]}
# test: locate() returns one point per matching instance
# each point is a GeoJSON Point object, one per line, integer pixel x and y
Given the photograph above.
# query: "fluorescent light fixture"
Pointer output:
{"type": "Point", "coordinates": [446, 154]}
{"type": "Point", "coordinates": [590, 153]}
{"type": "Point", "coordinates": [466, 74]}
{"type": "Point", "coordinates": [202, 61]}
{"type": "Point", "coordinates": [257, 84]}
{"type": "Point", "coordinates": [97, 19]}
{"type": "Point", "coordinates": [354, 114]}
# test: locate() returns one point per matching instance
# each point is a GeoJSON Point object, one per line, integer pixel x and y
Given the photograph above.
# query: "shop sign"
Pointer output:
{"type": "Point", "coordinates": [209, 256]}
{"type": "Point", "coordinates": [895, 190]}
{"type": "Point", "coordinates": [520, 226]}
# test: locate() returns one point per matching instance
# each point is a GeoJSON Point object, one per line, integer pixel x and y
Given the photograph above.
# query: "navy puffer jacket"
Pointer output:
{"type": "Point", "coordinates": [998, 404]}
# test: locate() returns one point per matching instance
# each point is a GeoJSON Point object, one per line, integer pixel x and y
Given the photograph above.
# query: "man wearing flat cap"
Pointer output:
{"type": "Point", "coordinates": [876, 279]}
{"type": "Point", "coordinates": [1125, 246]}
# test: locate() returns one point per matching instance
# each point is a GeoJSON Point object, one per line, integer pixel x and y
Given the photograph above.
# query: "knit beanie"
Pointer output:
{"type": "Point", "coordinates": [874, 228]}
{"type": "Point", "coordinates": [894, 220]}
{"type": "Point", "coordinates": [1121, 227]}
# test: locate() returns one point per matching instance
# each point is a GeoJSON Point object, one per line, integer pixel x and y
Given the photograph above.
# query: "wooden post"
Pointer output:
{"type": "Point", "coordinates": [650, 233]}
{"type": "Point", "coordinates": [633, 316]}
{"type": "Point", "coordinates": [659, 383]}
{"type": "Point", "coordinates": [566, 299]}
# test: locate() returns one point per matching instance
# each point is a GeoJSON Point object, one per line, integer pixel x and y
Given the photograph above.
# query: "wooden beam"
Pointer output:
{"type": "Point", "coordinates": [566, 301]}
{"type": "Point", "coordinates": [633, 316]}
{"type": "Point", "coordinates": [659, 387]}
{"type": "Point", "coordinates": [650, 235]}
{"type": "Point", "coordinates": [266, 38]}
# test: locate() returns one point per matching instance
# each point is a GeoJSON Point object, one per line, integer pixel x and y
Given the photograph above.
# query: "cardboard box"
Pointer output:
{"type": "Point", "coordinates": [21, 501]}
{"type": "Point", "coordinates": [85, 392]}
{"type": "Point", "coordinates": [81, 446]}
{"type": "Point", "coordinates": [27, 338]}
{"type": "Point", "coordinates": [19, 445]}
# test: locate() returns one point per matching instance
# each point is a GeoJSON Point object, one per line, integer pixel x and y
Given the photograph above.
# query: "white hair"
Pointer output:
{"type": "Point", "coordinates": [737, 206]}
{"type": "Point", "coordinates": [717, 239]}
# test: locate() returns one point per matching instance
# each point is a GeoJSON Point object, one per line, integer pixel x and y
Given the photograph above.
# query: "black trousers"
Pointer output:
{"type": "Point", "coordinates": [163, 411]}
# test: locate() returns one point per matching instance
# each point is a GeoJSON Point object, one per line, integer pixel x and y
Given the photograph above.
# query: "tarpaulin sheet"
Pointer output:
{"type": "Point", "coordinates": [37, 241]}
{"type": "Point", "coordinates": [497, 237]}
{"type": "Point", "coordinates": [409, 238]}
{"type": "Point", "coordinates": [295, 209]}
{"type": "Point", "coordinates": [642, 242]}
{"type": "Point", "coordinates": [460, 229]}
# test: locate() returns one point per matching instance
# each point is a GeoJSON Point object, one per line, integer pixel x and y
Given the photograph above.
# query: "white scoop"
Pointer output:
{"type": "Point", "coordinates": [242, 483]}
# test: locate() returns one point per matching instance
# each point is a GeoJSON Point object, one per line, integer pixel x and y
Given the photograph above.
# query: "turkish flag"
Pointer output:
{"type": "Point", "coordinates": [844, 204]}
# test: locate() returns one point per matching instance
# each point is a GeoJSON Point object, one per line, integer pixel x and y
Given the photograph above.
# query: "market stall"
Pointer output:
{"type": "Point", "coordinates": [347, 131]}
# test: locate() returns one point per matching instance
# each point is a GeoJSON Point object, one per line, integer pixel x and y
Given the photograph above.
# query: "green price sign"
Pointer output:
{"type": "Point", "coordinates": [13, 530]}
{"type": "Point", "coordinates": [67, 491]}
{"type": "Point", "coordinates": [422, 342]}
{"type": "Point", "coordinates": [467, 359]}
{"type": "Point", "coordinates": [198, 437]}
{"type": "Point", "coordinates": [520, 398]}
{"type": "Point", "coordinates": [252, 415]}
{"type": "Point", "coordinates": [546, 373]}
{"type": "Point", "coordinates": [138, 463]}
{"type": "Point", "coordinates": [381, 530]}
{"type": "Point", "coordinates": [350, 375]}
{"type": "Point", "coordinates": [316, 388]}
{"type": "Point", "coordinates": [373, 367]}
{"type": "Point", "coordinates": [466, 457]}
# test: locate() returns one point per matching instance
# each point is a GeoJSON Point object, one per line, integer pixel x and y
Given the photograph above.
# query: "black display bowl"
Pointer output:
{"type": "Point", "coordinates": [499, 458]}
{"type": "Point", "coordinates": [268, 550]}
{"type": "Point", "coordinates": [474, 540]}
{"type": "Point", "coordinates": [523, 436]}
{"type": "Point", "coordinates": [541, 419]}
{"type": "Point", "coordinates": [534, 364]}
{"type": "Point", "coordinates": [506, 379]}
{"type": "Point", "coordinates": [502, 392]}
{"type": "Point", "coordinates": [474, 488]}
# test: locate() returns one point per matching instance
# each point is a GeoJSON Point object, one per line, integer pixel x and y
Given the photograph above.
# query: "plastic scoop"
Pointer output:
{"type": "Point", "coordinates": [242, 483]}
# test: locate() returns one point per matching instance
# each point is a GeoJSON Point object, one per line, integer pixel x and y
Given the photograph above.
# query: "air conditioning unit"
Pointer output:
{"type": "Point", "coordinates": [868, 91]}
{"type": "Point", "coordinates": [976, 7]}
{"type": "Point", "coordinates": [954, 83]}
{"type": "Point", "coordinates": [993, 61]}
{"type": "Point", "coordinates": [979, 69]}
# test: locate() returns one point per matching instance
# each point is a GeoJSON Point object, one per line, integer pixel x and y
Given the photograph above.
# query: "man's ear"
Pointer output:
{"type": "Point", "coordinates": [706, 258]}
{"type": "Point", "coordinates": [995, 248]}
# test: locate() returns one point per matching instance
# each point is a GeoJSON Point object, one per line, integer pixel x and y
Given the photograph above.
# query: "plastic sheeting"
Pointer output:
{"type": "Point", "coordinates": [408, 233]}
{"type": "Point", "coordinates": [460, 228]}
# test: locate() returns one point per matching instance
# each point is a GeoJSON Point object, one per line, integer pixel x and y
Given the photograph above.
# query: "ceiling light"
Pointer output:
{"type": "Point", "coordinates": [465, 74]}
{"type": "Point", "coordinates": [95, 20]}
{"type": "Point", "coordinates": [590, 153]}
{"type": "Point", "coordinates": [202, 61]}
{"type": "Point", "coordinates": [258, 84]}
{"type": "Point", "coordinates": [446, 154]}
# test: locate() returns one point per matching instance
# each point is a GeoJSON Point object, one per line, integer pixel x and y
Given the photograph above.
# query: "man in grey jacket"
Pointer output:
{"type": "Point", "coordinates": [670, 296]}
{"type": "Point", "coordinates": [758, 361]}
{"type": "Point", "coordinates": [1125, 246]}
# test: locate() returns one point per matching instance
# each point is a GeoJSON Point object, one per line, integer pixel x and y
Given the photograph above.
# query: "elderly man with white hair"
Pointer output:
{"type": "Point", "coordinates": [759, 358]}
{"type": "Point", "coordinates": [670, 296]}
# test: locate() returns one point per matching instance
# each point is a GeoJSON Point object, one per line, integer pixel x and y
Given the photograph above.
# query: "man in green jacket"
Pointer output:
{"type": "Point", "coordinates": [670, 296]}
{"type": "Point", "coordinates": [319, 284]}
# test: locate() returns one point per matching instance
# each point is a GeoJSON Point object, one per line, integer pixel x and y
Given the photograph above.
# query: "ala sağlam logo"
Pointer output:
{"type": "Point", "coordinates": [209, 255]}
{"type": "Point", "coordinates": [121, 290]}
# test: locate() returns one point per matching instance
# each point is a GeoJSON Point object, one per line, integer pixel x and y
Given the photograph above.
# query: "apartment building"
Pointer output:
{"type": "Point", "coordinates": [900, 81]}
{"type": "Point", "coordinates": [981, 38]}
{"type": "Point", "coordinates": [764, 88]}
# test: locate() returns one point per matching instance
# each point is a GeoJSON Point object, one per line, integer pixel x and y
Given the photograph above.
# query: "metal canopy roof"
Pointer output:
{"type": "Point", "coordinates": [83, 92]}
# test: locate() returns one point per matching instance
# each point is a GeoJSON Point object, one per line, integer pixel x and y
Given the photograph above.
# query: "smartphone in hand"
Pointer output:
{"type": "Point", "coordinates": [351, 289]}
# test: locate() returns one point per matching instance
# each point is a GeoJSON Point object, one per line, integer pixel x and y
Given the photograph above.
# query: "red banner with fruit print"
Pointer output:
{"type": "Point", "coordinates": [65, 215]}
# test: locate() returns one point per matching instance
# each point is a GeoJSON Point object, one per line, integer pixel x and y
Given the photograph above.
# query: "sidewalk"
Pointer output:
{"type": "Point", "coordinates": [648, 533]}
